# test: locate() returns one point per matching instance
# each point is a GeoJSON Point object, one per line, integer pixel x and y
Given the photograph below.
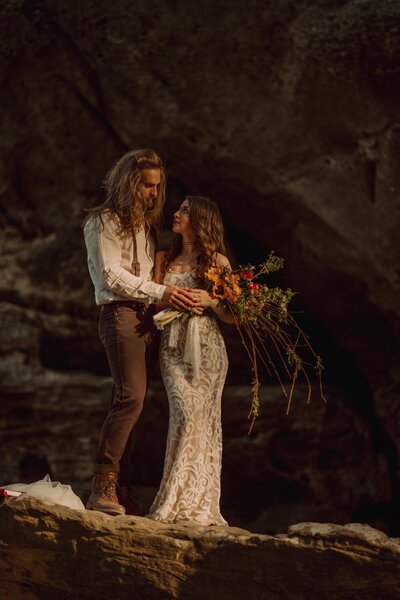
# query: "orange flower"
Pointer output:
{"type": "Point", "coordinates": [217, 291]}
{"type": "Point", "coordinates": [212, 275]}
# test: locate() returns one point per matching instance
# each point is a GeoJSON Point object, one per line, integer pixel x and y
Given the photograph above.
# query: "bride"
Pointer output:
{"type": "Point", "coordinates": [194, 364]}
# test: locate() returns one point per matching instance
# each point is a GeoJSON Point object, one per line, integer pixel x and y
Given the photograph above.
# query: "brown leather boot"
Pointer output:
{"type": "Point", "coordinates": [104, 495]}
{"type": "Point", "coordinates": [129, 500]}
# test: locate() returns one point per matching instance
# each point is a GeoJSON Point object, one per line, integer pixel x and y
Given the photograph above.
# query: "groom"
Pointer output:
{"type": "Point", "coordinates": [119, 237]}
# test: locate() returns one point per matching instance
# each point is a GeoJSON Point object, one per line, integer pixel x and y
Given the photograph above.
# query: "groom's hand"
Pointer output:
{"type": "Point", "coordinates": [178, 297]}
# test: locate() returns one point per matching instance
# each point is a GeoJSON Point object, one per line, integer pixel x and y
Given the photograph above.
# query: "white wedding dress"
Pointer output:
{"type": "Point", "coordinates": [194, 364]}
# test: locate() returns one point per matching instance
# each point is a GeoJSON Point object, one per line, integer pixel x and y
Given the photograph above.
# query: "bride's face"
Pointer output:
{"type": "Point", "coordinates": [181, 223]}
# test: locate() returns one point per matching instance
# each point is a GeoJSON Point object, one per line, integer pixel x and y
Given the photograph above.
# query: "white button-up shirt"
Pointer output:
{"type": "Point", "coordinates": [110, 258]}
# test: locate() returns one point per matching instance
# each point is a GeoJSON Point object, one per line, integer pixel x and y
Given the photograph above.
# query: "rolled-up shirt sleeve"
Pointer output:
{"type": "Point", "coordinates": [105, 249]}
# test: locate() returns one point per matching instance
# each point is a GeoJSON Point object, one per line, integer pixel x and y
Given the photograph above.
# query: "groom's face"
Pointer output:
{"type": "Point", "coordinates": [149, 186]}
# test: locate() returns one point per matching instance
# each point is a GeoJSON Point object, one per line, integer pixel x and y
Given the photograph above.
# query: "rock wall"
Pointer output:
{"type": "Point", "coordinates": [287, 114]}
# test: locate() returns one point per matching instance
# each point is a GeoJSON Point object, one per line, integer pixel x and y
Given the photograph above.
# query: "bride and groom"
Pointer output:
{"type": "Point", "coordinates": [129, 278]}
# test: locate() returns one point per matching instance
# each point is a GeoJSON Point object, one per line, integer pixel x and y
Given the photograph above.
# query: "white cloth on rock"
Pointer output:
{"type": "Point", "coordinates": [50, 491]}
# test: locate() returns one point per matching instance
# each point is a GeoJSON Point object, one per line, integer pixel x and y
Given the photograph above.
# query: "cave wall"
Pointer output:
{"type": "Point", "coordinates": [285, 113]}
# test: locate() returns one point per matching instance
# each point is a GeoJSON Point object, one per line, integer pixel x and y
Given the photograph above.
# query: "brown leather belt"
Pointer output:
{"type": "Point", "coordinates": [134, 304]}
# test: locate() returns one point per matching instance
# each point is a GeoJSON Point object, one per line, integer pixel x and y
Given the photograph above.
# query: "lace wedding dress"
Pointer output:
{"type": "Point", "coordinates": [193, 365]}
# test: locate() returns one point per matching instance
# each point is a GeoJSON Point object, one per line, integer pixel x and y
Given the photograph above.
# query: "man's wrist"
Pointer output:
{"type": "Point", "coordinates": [160, 292]}
{"type": "Point", "coordinates": [166, 293]}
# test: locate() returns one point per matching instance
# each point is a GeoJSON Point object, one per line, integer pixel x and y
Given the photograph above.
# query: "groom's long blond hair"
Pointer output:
{"type": "Point", "coordinates": [123, 199]}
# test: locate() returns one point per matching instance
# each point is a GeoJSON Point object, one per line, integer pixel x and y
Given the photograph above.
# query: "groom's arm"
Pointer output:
{"type": "Point", "coordinates": [104, 247]}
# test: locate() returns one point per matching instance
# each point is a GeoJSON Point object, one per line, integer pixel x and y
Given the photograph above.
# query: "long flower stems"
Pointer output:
{"type": "Point", "coordinates": [261, 316]}
{"type": "Point", "coordinates": [254, 329]}
{"type": "Point", "coordinates": [255, 401]}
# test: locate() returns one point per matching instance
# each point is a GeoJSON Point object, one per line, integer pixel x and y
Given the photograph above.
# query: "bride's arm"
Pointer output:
{"type": "Point", "coordinates": [159, 276]}
{"type": "Point", "coordinates": [158, 261]}
{"type": "Point", "coordinates": [204, 299]}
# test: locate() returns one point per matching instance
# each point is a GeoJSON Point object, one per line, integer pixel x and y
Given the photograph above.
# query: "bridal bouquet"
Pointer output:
{"type": "Point", "coordinates": [162, 318]}
{"type": "Point", "coordinates": [261, 315]}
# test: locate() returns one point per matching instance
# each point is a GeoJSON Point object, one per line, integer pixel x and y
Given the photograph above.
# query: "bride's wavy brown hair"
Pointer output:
{"type": "Point", "coordinates": [123, 199]}
{"type": "Point", "coordinates": [206, 223]}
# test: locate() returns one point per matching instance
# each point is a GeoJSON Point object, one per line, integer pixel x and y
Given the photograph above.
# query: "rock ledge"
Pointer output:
{"type": "Point", "coordinates": [49, 551]}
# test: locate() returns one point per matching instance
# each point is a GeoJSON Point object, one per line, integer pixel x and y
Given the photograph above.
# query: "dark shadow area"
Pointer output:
{"type": "Point", "coordinates": [33, 467]}
{"type": "Point", "coordinates": [342, 371]}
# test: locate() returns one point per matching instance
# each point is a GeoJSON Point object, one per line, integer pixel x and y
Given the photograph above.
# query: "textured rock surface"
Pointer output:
{"type": "Point", "coordinates": [287, 114]}
{"type": "Point", "coordinates": [52, 552]}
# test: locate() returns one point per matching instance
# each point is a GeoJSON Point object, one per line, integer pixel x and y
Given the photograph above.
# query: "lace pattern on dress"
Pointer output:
{"type": "Point", "coordinates": [190, 487]}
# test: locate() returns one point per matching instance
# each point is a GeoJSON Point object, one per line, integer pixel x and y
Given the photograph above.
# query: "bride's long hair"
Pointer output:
{"type": "Point", "coordinates": [206, 223]}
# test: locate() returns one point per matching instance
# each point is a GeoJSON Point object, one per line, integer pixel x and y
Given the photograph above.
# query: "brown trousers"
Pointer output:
{"type": "Point", "coordinates": [130, 342]}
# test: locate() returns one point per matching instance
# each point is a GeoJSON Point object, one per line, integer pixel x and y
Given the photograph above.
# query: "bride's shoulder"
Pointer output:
{"type": "Point", "coordinates": [222, 261]}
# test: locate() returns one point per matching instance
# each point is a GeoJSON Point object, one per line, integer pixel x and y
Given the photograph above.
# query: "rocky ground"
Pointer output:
{"type": "Point", "coordinates": [49, 551]}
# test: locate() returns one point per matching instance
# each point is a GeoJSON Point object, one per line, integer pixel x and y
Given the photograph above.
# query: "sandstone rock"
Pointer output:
{"type": "Point", "coordinates": [48, 551]}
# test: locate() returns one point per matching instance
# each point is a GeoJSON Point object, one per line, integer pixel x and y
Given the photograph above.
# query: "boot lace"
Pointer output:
{"type": "Point", "coordinates": [111, 492]}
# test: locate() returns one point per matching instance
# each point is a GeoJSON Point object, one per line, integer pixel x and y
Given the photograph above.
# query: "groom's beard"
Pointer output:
{"type": "Point", "coordinates": [148, 214]}
{"type": "Point", "coordinates": [148, 204]}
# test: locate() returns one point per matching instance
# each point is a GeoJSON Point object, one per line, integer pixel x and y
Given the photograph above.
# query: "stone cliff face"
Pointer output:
{"type": "Point", "coordinates": [51, 552]}
{"type": "Point", "coordinates": [286, 114]}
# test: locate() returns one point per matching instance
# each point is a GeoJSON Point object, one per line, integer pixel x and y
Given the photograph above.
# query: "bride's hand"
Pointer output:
{"type": "Point", "coordinates": [197, 310]}
{"type": "Point", "coordinates": [202, 298]}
